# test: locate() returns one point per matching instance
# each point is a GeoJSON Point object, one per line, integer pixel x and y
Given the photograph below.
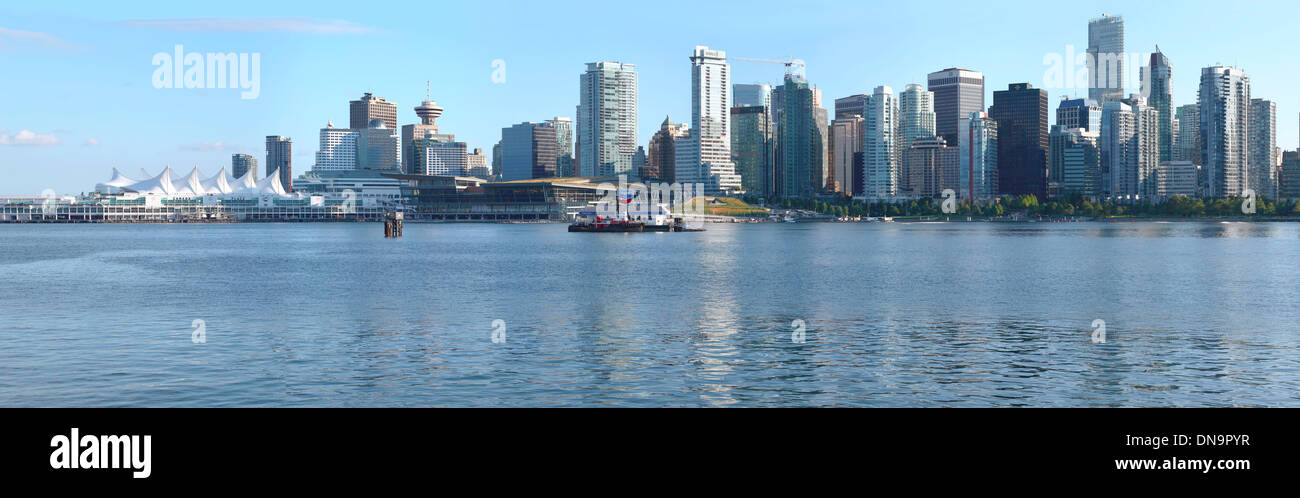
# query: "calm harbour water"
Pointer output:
{"type": "Point", "coordinates": [942, 314]}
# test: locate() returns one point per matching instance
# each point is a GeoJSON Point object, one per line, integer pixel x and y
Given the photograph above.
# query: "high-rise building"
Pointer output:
{"type": "Point", "coordinates": [1079, 113]}
{"type": "Point", "coordinates": [751, 146]}
{"type": "Point", "coordinates": [822, 173]}
{"type": "Point", "coordinates": [750, 95]}
{"type": "Point", "coordinates": [528, 150]}
{"type": "Point", "coordinates": [496, 160]}
{"type": "Point", "coordinates": [845, 144]}
{"type": "Point", "coordinates": [369, 107]}
{"type": "Point", "coordinates": [242, 164]}
{"type": "Point", "coordinates": [563, 146]}
{"type": "Point", "coordinates": [853, 105]}
{"type": "Point", "coordinates": [1156, 80]}
{"type": "Point", "coordinates": [639, 162]}
{"type": "Point", "coordinates": [1075, 155]}
{"type": "Point", "coordinates": [1106, 71]}
{"type": "Point", "coordinates": [932, 167]}
{"type": "Point", "coordinates": [1189, 124]}
{"type": "Point", "coordinates": [1262, 154]}
{"type": "Point", "coordinates": [1289, 177]}
{"type": "Point", "coordinates": [800, 150]}
{"type": "Point", "coordinates": [915, 121]}
{"type": "Point", "coordinates": [338, 149]}
{"type": "Point", "coordinates": [477, 164]}
{"type": "Point", "coordinates": [1130, 157]}
{"type": "Point", "coordinates": [1021, 114]}
{"type": "Point", "coordinates": [279, 158]}
{"type": "Point", "coordinates": [880, 170]}
{"type": "Point", "coordinates": [436, 156]}
{"type": "Point", "coordinates": [1224, 100]}
{"type": "Point", "coordinates": [379, 147]}
{"type": "Point", "coordinates": [1144, 161]}
{"type": "Point", "coordinates": [978, 151]}
{"type": "Point", "coordinates": [915, 115]}
{"type": "Point", "coordinates": [607, 110]}
{"type": "Point", "coordinates": [957, 93]}
{"type": "Point", "coordinates": [710, 163]}
{"type": "Point", "coordinates": [1117, 135]}
{"type": "Point", "coordinates": [428, 111]}
{"type": "Point", "coordinates": [1177, 178]}
{"type": "Point", "coordinates": [661, 155]}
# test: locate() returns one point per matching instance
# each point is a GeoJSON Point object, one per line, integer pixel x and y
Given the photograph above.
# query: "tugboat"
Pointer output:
{"type": "Point", "coordinates": [607, 224]}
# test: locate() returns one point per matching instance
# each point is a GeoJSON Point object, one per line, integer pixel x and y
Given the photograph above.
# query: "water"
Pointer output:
{"type": "Point", "coordinates": [961, 314]}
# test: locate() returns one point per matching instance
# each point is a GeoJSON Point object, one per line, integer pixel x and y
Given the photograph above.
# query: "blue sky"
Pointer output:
{"type": "Point", "coordinates": [76, 76]}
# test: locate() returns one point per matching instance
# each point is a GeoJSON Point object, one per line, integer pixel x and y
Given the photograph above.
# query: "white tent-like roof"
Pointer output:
{"type": "Point", "coordinates": [218, 184]}
{"type": "Point", "coordinates": [193, 184]}
{"type": "Point", "coordinates": [271, 184]}
{"type": "Point", "coordinates": [119, 180]}
{"type": "Point", "coordinates": [158, 185]}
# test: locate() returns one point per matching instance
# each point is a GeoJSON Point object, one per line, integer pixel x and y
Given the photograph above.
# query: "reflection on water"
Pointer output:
{"type": "Point", "coordinates": [937, 314]}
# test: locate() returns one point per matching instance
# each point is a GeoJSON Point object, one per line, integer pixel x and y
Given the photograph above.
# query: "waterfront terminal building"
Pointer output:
{"type": "Point", "coordinates": [356, 195]}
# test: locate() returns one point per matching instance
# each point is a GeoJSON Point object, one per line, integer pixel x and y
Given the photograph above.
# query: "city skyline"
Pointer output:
{"type": "Point", "coordinates": [135, 125]}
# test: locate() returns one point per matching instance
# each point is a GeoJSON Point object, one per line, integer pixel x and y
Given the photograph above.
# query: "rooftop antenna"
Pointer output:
{"type": "Point", "coordinates": [426, 88]}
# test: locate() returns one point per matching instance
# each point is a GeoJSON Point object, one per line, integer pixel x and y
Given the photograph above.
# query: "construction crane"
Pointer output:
{"type": "Point", "coordinates": [790, 63]}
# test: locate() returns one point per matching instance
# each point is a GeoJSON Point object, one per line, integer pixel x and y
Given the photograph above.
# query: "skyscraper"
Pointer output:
{"type": "Point", "coordinates": [279, 157]}
{"type": "Point", "coordinates": [880, 170]}
{"type": "Point", "coordinates": [1189, 125]}
{"type": "Point", "coordinates": [915, 114]}
{"type": "Point", "coordinates": [1079, 113]}
{"type": "Point", "coordinates": [800, 150]}
{"type": "Point", "coordinates": [1262, 154]}
{"type": "Point", "coordinates": [1106, 71]}
{"type": "Point", "coordinates": [1074, 153]}
{"type": "Point", "coordinates": [607, 110]}
{"type": "Point", "coordinates": [915, 121]}
{"type": "Point", "coordinates": [242, 164]}
{"type": "Point", "coordinates": [978, 151]}
{"type": "Point", "coordinates": [957, 93]}
{"type": "Point", "coordinates": [1021, 114]}
{"type": "Point", "coordinates": [1224, 100]}
{"type": "Point", "coordinates": [338, 149]}
{"type": "Point", "coordinates": [751, 146]}
{"type": "Point", "coordinates": [369, 107]}
{"type": "Point", "coordinates": [661, 155]}
{"type": "Point", "coordinates": [932, 167]}
{"type": "Point", "coordinates": [853, 105]}
{"type": "Point", "coordinates": [748, 95]}
{"type": "Point", "coordinates": [845, 145]}
{"type": "Point", "coordinates": [563, 146]}
{"type": "Point", "coordinates": [476, 163]}
{"type": "Point", "coordinates": [1130, 158]}
{"type": "Point", "coordinates": [1289, 178]}
{"type": "Point", "coordinates": [379, 147]}
{"type": "Point", "coordinates": [435, 155]}
{"type": "Point", "coordinates": [1156, 87]}
{"type": "Point", "coordinates": [528, 150]}
{"type": "Point", "coordinates": [710, 124]}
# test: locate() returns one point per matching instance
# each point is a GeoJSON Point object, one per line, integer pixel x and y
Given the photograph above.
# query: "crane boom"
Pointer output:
{"type": "Point", "coordinates": [790, 63]}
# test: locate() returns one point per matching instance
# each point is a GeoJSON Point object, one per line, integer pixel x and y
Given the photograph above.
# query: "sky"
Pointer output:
{"type": "Point", "coordinates": [79, 94]}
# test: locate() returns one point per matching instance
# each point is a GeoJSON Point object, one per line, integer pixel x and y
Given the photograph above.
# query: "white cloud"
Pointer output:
{"type": "Point", "coordinates": [255, 25]}
{"type": "Point", "coordinates": [13, 39]}
{"type": "Point", "coordinates": [28, 137]}
{"type": "Point", "coordinates": [91, 142]}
